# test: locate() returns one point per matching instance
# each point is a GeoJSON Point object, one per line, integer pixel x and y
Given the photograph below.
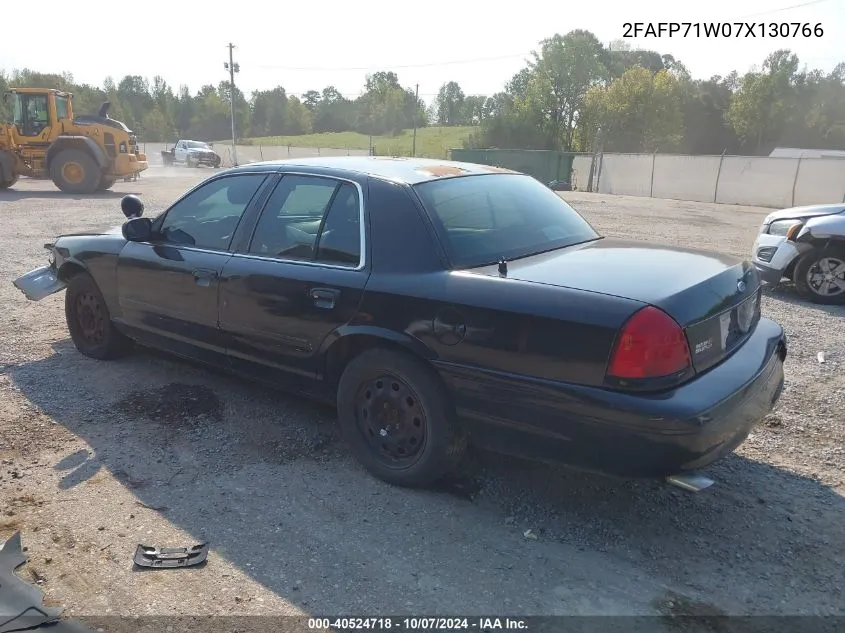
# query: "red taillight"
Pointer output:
{"type": "Point", "coordinates": [650, 345]}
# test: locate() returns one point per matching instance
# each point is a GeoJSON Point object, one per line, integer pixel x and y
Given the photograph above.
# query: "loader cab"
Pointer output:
{"type": "Point", "coordinates": [38, 110]}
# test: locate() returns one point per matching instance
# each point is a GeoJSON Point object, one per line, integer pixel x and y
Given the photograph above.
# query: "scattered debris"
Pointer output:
{"type": "Point", "coordinates": [21, 604]}
{"type": "Point", "coordinates": [821, 357]}
{"type": "Point", "coordinates": [154, 508]}
{"type": "Point", "coordinates": [529, 535]}
{"type": "Point", "coordinates": [170, 557]}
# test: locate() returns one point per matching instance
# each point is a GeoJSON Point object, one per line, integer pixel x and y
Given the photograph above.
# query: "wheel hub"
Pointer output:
{"type": "Point", "coordinates": [391, 420]}
{"type": "Point", "coordinates": [73, 173]}
{"type": "Point", "coordinates": [89, 315]}
{"type": "Point", "coordinates": [827, 276]}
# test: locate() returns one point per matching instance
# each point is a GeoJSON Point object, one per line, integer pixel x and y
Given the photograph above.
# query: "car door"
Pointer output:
{"type": "Point", "coordinates": [301, 276]}
{"type": "Point", "coordinates": [168, 287]}
{"type": "Point", "coordinates": [180, 152]}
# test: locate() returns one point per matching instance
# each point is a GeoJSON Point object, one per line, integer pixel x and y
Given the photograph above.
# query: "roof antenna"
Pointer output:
{"type": "Point", "coordinates": [503, 267]}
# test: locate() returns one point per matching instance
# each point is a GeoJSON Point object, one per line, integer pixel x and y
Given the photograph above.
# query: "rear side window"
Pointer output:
{"type": "Point", "coordinates": [483, 218]}
{"type": "Point", "coordinates": [311, 218]}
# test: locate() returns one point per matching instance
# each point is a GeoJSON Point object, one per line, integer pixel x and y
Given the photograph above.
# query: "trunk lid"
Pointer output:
{"type": "Point", "coordinates": [715, 298]}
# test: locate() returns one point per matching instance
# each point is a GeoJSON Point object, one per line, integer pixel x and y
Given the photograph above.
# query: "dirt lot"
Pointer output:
{"type": "Point", "coordinates": [98, 457]}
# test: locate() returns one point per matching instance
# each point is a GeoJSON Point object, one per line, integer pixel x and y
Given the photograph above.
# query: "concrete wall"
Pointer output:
{"type": "Point", "coordinates": [746, 180]}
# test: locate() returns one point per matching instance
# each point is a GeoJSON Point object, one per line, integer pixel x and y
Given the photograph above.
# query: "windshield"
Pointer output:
{"type": "Point", "coordinates": [196, 145]}
{"type": "Point", "coordinates": [481, 219]}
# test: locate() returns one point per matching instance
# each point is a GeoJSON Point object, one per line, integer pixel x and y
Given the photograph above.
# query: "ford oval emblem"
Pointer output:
{"type": "Point", "coordinates": [740, 285]}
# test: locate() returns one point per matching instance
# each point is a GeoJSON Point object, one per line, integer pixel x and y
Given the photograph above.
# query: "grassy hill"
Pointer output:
{"type": "Point", "coordinates": [432, 142]}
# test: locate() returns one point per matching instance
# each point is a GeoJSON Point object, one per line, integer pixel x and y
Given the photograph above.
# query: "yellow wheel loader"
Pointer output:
{"type": "Point", "coordinates": [81, 154]}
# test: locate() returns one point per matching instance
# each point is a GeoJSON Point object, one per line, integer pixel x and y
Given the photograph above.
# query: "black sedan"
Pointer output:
{"type": "Point", "coordinates": [436, 303]}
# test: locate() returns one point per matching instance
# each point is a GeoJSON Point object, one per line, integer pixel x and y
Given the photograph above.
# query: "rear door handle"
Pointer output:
{"type": "Point", "coordinates": [324, 298]}
{"type": "Point", "coordinates": [204, 277]}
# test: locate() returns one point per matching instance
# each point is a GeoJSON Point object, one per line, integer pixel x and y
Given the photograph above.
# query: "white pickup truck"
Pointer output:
{"type": "Point", "coordinates": [191, 154]}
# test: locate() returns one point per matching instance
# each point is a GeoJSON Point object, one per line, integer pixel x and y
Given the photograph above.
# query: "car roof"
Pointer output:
{"type": "Point", "coordinates": [397, 169]}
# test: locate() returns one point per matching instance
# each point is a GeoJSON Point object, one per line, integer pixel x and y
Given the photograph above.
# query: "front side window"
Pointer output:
{"type": "Point", "coordinates": [483, 218]}
{"type": "Point", "coordinates": [311, 218]}
{"type": "Point", "coordinates": [30, 115]}
{"type": "Point", "coordinates": [208, 216]}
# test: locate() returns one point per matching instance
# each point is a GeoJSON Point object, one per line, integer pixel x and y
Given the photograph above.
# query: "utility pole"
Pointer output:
{"type": "Point", "coordinates": [233, 68]}
{"type": "Point", "coordinates": [416, 112]}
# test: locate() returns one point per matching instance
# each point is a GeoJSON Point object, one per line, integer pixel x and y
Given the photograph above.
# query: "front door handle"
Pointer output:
{"type": "Point", "coordinates": [324, 298]}
{"type": "Point", "coordinates": [203, 277]}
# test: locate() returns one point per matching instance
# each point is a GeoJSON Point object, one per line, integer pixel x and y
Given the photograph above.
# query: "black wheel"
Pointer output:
{"type": "Point", "coordinates": [820, 275]}
{"type": "Point", "coordinates": [89, 321]}
{"type": "Point", "coordinates": [106, 183]}
{"type": "Point", "coordinates": [5, 184]}
{"type": "Point", "coordinates": [75, 171]}
{"type": "Point", "coordinates": [397, 419]}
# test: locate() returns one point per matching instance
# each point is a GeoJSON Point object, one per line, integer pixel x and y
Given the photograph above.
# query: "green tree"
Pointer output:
{"type": "Point", "coordinates": [765, 101]}
{"type": "Point", "coordinates": [155, 127]}
{"type": "Point", "coordinates": [639, 112]}
{"type": "Point", "coordinates": [564, 70]}
{"type": "Point", "coordinates": [449, 104]}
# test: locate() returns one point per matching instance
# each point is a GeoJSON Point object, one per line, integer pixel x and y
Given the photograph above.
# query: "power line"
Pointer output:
{"type": "Point", "coordinates": [391, 66]}
{"type": "Point", "coordinates": [789, 8]}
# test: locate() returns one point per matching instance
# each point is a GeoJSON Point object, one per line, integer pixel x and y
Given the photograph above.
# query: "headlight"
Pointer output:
{"type": "Point", "coordinates": [785, 228]}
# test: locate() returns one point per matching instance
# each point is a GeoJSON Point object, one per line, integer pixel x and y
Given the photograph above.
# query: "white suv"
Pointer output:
{"type": "Point", "coordinates": [806, 245]}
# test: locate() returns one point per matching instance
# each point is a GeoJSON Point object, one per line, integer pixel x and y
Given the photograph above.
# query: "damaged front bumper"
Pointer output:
{"type": "Point", "coordinates": [39, 283]}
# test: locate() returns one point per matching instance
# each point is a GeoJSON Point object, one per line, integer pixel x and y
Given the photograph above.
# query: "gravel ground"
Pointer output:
{"type": "Point", "coordinates": [98, 457]}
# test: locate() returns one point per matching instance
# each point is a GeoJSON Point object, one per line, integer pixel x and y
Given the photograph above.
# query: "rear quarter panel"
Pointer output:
{"type": "Point", "coordinates": [473, 321]}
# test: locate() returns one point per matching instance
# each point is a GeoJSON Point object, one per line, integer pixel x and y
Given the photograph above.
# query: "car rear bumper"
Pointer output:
{"type": "Point", "coordinates": [623, 434]}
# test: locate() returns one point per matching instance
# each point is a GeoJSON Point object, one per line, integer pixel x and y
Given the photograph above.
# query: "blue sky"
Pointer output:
{"type": "Point", "coordinates": [305, 46]}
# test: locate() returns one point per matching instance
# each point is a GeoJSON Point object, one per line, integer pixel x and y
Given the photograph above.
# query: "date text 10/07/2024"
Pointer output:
{"type": "Point", "coordinates": [479, 624]}
{"type": "Point", "coordinates": [722, 29]}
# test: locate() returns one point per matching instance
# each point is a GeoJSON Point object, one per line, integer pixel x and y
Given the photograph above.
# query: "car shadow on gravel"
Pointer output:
{"type": "Point", "coordinates": [786, 293]}
{"type": "Point", "coordinates": [264, 477]}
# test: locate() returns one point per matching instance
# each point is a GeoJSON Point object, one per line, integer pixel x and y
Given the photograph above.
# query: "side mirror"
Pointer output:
{"type": "Point", "coordinates": [132, 206]}
{"type": "Point", "coordinates": [138, 230]}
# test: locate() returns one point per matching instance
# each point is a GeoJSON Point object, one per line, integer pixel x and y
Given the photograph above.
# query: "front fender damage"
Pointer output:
{"type": "Point", "coordinates": [824, 227]}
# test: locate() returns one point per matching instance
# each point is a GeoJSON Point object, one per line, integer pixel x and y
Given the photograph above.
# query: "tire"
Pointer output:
{"type": "Point", "coordinates": [75, 171]}
{"type": "Point", "coordinates": [810, 270]}
{"type": "Point", "coordinates": [106, 184]}
{"type": "Point", "coordinates": [89, 321]}
{"type": "Point", "coordinates": [5, 184]}
{"type": "Point", "coordinates": [427, 444]}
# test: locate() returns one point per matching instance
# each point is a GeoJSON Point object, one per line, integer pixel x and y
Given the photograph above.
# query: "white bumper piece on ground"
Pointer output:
{"type": "Point", "coordinates": [39, 283]}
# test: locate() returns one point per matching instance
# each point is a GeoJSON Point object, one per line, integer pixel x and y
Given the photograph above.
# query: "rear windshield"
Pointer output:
{"type": "Point", "coordinates": [481, 219]}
